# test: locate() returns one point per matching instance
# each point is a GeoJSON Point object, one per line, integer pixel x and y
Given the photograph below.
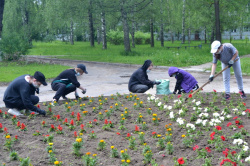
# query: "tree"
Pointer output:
{"type": "Point", "coordinates": [1, 15]}
{"type": "Point", "coordinates": [217, 20]}
{"type": "Point", "coordinates": [183, 22]}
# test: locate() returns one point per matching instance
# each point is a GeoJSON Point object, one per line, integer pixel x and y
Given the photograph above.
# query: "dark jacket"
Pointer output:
{"type": "Point", "coordinates": [186, 80]}
{"type": "Point", "coordinates": [67, 76]}
{"type": "Point", "coordinates": [140, 76]}
{"type": "Point", "coordinates": [20, 89]}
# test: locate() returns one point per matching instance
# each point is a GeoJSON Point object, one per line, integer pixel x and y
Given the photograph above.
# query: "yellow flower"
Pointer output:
{"type": "Point", "coordinates": [150, 108]}
{"type": "Point", "coordinates": [169, 129]}
{"type": "Point", "coordinates": [122, 115]}
{"type": "Point", "coordinates": [106, 98]}
{"type": "Point", "coordinates": [145, 144]}
{"type": "Point", "coordinates": [68, 106]}
{"type": "Point", "coordinates": [144, 122]}
{"type": "Point", "coordinates": [100, 103]}
{"type": "Point", "coordinates": [125, 108]}
{"type": "Point", "coordinates": [88, 153]}
{"type": "Point", "coordinates": [158, 118]}
{"type": "Point", "coordinates": [154, 114]}
{"type": "Point", "coordinates": [158, 135]}
{"type": "Point", "coordinates": [141, 102]}
{"type": "Point", "coordinates": [170, 134]}
{"type": "Point", "coordinates": [50, 151]}
{"type": "Point", "coordinates": [137, 99]}
{"type": "Point", "coordinates": [140, 116]}
{"type": "Point", "coordinates": [126, 150]}
{"type": "Point", "coordinates": [126, 112]}
{"type": "Point", "coordinates": [111, 106]}
{"type": "Point", "coordinates": [101, 140]}
{"type": "Point", "coordinates": [93, 108]}
{"type": "Point", "coordinates": [153, 119]}
{"type": "Point", "coordinates": [123, 161]}
{"type": "Point", "coordinates": [80, 105]}
{"type": "Point", "coordinates": [56, 162]}
{"type": "Point", "coordinates": [183, 136]}
{"type": "Point", "coordinates": [135, 95]}
{"type": "Point", "coordinates": [100, 113]}
{"type": "Point", "coordinates": [83, 104]}
{"type": "Point", "coordinates": [112, 147]}
{"type": "Point", "coordinates": [51, 144]}
{"type": "Point", "coordinates": [122, 151]}
{"type": "Point", "coordinates": [100, 100]}
{"type": "Point", "coordinates": [123, 118]}
{"type": "Point", "coordinates": [55, 101]}
{"type": "Point", "coordinates": [66, 103]}
{"type": "Point", "coordinates": [79, 140]}
{"type": "Point", "coordinates": [81, 134]}
{"type": "Point", "coordinates": [7, 136]}
{"type": "Point", "coordinates": [135, 103]}
{"type": "Point", "coordinates": [141, 133]}
{"type": "Point", "coordinates": [106, 111]}
{"type": "Point", "coordinates": [116, 104]}
{"type": "Point", "coordinates": [128, 161]}
{"type": "Point", "coordinates": [94, 155]}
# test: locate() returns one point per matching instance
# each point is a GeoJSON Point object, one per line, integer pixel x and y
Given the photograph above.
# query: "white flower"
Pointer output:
{"type": "Point", "coordinates": [159, 104]}
{"type": "Point", "coordinates": [180, 111]}
{"type": "Point", "coordinates": [165, 106]}
{"type": "Point", "coordinates": [170, 107]}
{"type": "Point", "coordinates": [238, 141]}
{"type": "Point", "coordinates": [205, 110]}
{"type": "Point", "coordinates": [171, 115]}
{"type": "Point", "coordinates": [204, 122]}
{"type": "Point", "coordinates": [235, 109]}
{"type": "Point", "coordinates": [247, 159]}
{"type": "Point", "coordinates": [243, 113]}
{"type": "Point", "coordinates": [152, 97]}
{"type": "Point", "coordinates": [245, 148]}
{"type": "Point", "coordinates": [190, 125]}
{"type": "Point", "coordinates": [180, 121]}
{"type": "Point", "coordinates": [176, 101]}
{"type": "Point", "coordinates": [223, 113]}
{"type": "Point", "coordinates": [228, 116]}
{"type": "Point", "coordinates": [198, 121]}
{"type": "Point", "coordinates": [198, 103]}
{"type": "Point", "coordinates": [216, 114]}
{"type": "Point", "coordinates": [211, 124]}
{"type": "Point", "coordinates": [193, 101]}
{"type": "Point", "coordinates": [222, 118]}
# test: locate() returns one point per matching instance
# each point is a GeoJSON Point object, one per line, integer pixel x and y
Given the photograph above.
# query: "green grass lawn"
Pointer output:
{"type": "Point", "coordinates": [9, 71]}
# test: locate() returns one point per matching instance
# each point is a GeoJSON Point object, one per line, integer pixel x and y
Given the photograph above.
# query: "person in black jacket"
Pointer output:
{"type": "Point", "coordinates": [139, 82]}
{"type": "Point", "coordinates": [66, 82]}
{"type": "Point", "coordinates": [20, 94]}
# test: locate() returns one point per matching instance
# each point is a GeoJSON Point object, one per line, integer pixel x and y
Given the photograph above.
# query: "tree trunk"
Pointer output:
{"type": "Point", "coordinates": [189, 35]}
{"type": "Point", "coordinates": [91, 25]}
{"type": "Point", "coordinates": [172, 37]}
{"type": "Point", "coordinates": [104, 37]}
{"type": "Point", "coordinates": [183, 22]}
{"type": "Point", "coordinates": [212, 36]}
{"type": "Point", "coordinates": [217, 20]}
{"type": "Point", "coordinates": [125, 27]}
{"type": "Point", "coordinates": [71, 33]}
{"type": "Point", "coordinates": [133, 30]}
{"type": "Point", "coordinates": [205, 34]}
{"type": "Point", "coordinates": [98, 36]}
{"type": "Point", "coordinates": [162, 26]}
{"type": "Point", "coordinates": [1, 16]}
{"type": "Point", "coordinates": [152, 43]}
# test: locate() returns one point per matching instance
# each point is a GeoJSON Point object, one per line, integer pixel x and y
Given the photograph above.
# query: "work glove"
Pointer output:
{"type": "Point", "coordinates": [157, 82]}
{"type": "Point", "coordinates": [84, 91]}
{"type": "Point", "coordinates": [42, 112]}
{"type": "Point", "coordinates": [37, 90]}
{"type": "Point", "coordinates": [230, 63]}
{"type": "Point", "coordinates": [211, 78]}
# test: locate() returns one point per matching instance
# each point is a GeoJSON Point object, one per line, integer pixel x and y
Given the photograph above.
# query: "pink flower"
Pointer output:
{"type": "Point", "coordinates": [214, 90]}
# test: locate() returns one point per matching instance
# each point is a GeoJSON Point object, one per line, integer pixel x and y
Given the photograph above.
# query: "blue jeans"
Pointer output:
{"type": "Point", "coordinates": [19, 103]}
{"type": "Point", "coordinates": [62, 89]}
{"type": "Point", "coordinates": [238, 75]}
{"type": "Point", "coordinates": [139, 88]}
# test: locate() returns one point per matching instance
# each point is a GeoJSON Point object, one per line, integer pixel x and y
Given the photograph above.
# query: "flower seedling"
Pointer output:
{"type": "Point", "coordinates": [77, 145]}
{"type": "Point", "coordinates": [101, 145]}
{"type": "Point", "coordinates": [114, 152]}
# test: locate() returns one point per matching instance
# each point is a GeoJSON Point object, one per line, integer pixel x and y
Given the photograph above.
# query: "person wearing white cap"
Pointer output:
{"type": "Point", "coordinates": [66, 82]}
{"type": "Point", "coordinates": [228, 55]}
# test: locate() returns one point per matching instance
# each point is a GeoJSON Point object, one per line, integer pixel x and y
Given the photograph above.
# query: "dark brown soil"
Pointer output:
{"type": "Point", "coordinates": [33, 146]}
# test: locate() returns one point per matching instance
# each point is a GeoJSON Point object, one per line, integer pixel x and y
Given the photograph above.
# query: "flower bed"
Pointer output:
{"type": "Point", "coordinates": [129, 129]}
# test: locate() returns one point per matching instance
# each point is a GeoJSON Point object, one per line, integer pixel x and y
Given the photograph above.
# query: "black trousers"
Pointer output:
{"type": "Point", "coordinates": [62, 89]}
{"type": "Point", "coordinates": [19, 103]}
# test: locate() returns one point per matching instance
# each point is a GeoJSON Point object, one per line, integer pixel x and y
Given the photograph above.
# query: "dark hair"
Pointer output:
{"type": "Point", "coordinates": [217, 56]}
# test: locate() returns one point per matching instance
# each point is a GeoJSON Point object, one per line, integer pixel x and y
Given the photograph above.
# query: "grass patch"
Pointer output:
{"type": "Point", "coordinates": [12, 70]}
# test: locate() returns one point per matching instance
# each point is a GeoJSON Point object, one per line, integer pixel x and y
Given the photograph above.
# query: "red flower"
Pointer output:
{"type": "Point", "coordinates": [233, 152]}
{"type": "Point", "coordinates": [60, 128]}
{"type": "Point", "coordinates": [244, 103]}
{"type": "Point", "coordinates": [43, 123]}
{"type": "Point", "coordinates": [50, 110]}
{"type": "Point", "coordinates": [190, 96]}
{"type": "Point", "coordinates": [110, 122]}
{"type": "Point", "coordinates": [227, 160]}
{"type": "Point", "coordinates": [90, 122]}
{"type": "Point", "coordinates": [92, 132]}
{"type": "Point", "coordinates": [5, 113]}
{"type": "Point", "coordinates": [38, 106]}
{"type": "Point", "coordinates": [212, 135]}
{"type": "Point", "coordinates": [128, 135]}
{"type": "Point", "coordinates": [218, 127]}
{"type": "Point", "coordinates": [78, 118]}
{"type": "Point", "coordinates": [18, 124]}
{"type": "Point", "coordinates": [57, 117]}
{"type": "Point", "coordinates": [223, 138]}
{"type": "Point", "coordinates": [195, 147]}
{"type": "Point", "coordinates": [181, 161]}
{"type": "Point", "coordinates": [154, 133]}
{"type": "Point", "coordinates": [240, 126]}
{"type": "Point", "coordinates": [208, 149]}
{"type": "Point", "coordinates": [52, 126]}
{"type": "Point", "coordinates": [32, 113]}
{"type": "Point", "coordinates": [237, 122]}
{"type": "Point", "coordinates": [95, 120]}
{"type": "Point", "coordinates": [229, 124]}
{"type": "Point", "coordinates": [14, 117]}
{"type": "Point", "coordinates": [75, 134]}
{"type": "Point", "coordinates": [179, 96]}
{"type": "Point", "coordinates": [106, 121]}
{"type": "Point", "coordinates": [1, 126]}
{"type": "Point", "coordinates": [6, 130]}
{"type": "Point", "coordinates": [137, 128]}
{"type": "Point", "coordinates": [214, 90]}
{"type": "Point", "coordinates": [16, 137]}
{"type": "Point", "coordinates": [65, 120]}
{"type": "Point", "coordinates": [78, 114]}
{"type": "Point", "coordinates": [23, 126]}
{"type": "Point", "coordinates": [1, 112]}
{"type": "Point", "coordinates": [191, 91]}
{"type": "Point", "coordinates": [235, 117]}
{"type": "Point", "coordinates": [82, 126]}
{"type": "Point", "coordinates": [72, 113]}
{"type": "Point", "coordinates": [72, 122]}
{"type": "Point", "coordinates": [118, 133]}
{"type": "Point", "coordinates": [225, 152]}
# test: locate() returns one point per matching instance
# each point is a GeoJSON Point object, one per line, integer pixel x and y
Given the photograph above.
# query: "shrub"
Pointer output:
{"type": "Point", "coordinates": [115, 37]}
{"type": "Point", "coordinates": [142, 38]}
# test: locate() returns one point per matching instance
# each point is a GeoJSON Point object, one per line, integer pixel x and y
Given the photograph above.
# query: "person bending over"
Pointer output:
{"type": "Point", "coordinates": [20, 94]}
{"type": "Point", "coordinates": [185, 82]}
{"type": "Point", "coordinates": [139, 82]}
{"type": "Point", "coordinates": [66, 82]}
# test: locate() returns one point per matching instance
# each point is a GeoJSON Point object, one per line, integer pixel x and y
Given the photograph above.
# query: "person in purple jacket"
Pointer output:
{"type": "Point", "coordinates": [185, 81]}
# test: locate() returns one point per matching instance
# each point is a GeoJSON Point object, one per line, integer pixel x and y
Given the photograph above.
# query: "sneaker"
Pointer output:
{"type": "Point", "coordinates": [242, 94]}
{"type": "Point", "coordinates": [14, 111]}
{"type": "Point", "coordinates": [227, 96]}
{"type": "Point", "coordinates": [54, 101]}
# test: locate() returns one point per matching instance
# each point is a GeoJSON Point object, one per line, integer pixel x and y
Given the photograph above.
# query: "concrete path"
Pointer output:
{"type": "Point", "coordinates": [107, 79]}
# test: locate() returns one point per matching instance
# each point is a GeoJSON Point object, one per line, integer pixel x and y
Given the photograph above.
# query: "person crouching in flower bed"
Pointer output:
{"type": "Point", "coordinates": [66, 82]}
{"type": "Point", "coordinates": [139, 82]}
{"type": "Point", "coordinates": [185, 82]}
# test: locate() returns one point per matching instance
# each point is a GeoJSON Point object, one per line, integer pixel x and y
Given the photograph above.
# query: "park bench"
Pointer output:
{"type": "Point", "coordinates": [199, 46]}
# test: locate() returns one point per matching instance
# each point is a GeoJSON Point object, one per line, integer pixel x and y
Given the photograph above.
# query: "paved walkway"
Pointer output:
{"type": "Point", "coordinates": [107, 79]}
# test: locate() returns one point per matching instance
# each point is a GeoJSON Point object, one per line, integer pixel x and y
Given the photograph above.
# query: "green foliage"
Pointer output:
{"type": "Point", "coordinates": [115, 37]}
{"type": "Point", "coordinates": [141, 38]}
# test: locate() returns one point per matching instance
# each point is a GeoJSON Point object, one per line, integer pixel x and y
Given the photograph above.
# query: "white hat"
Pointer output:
{"type": "Point", "coordinates": [214, 46]}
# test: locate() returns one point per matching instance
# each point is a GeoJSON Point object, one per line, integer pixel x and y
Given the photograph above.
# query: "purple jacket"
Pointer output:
{"type": "Point", "coordinates": [188, 82]}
